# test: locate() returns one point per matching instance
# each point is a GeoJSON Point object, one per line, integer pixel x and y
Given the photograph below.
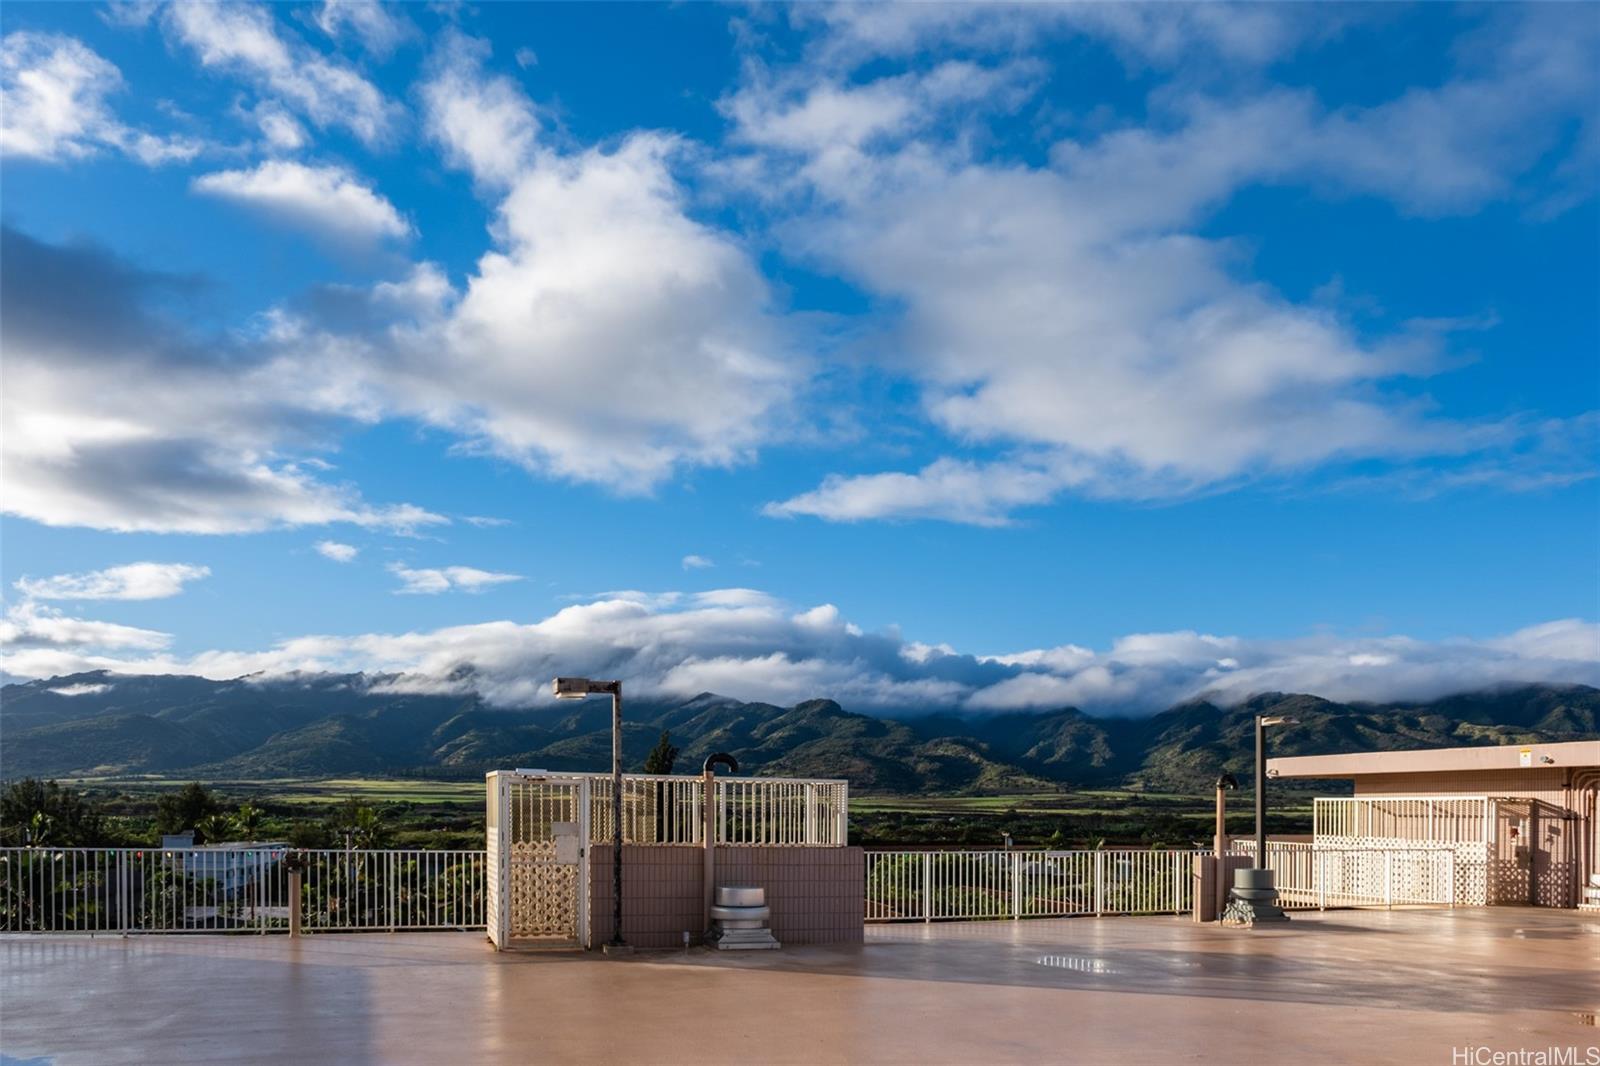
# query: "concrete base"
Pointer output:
{"type": "Point", "coordinates": [1244, 913]}
{"type": "Point", "coordinates": [742, 939]}
{"type": "Point", "coordinates": [1254, 899]}
{"type": "Point", "coordinates": [617, 949]}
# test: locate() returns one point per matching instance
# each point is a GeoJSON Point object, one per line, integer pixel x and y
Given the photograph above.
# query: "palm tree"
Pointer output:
{"type": "Point", "coordinates": [247, 821]}
{"type": "Point", "coordinates": [367, 828]}
{"type": "Point", "coordinates": [214, 828]}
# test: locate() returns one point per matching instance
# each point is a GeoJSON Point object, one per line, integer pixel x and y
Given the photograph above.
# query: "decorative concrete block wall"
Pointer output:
{"type": "Point", "coordinates": [817, 895]}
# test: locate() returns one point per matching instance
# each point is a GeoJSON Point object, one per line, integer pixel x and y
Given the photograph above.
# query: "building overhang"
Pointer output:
{"type": "Point", "coordinates": [1568, 755]}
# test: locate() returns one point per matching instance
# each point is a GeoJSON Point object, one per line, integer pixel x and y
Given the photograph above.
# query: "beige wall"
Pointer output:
{"type": "Point", "coordinates": [1546, 783]}
{"type": "Point", "coordinates": [817, 895]}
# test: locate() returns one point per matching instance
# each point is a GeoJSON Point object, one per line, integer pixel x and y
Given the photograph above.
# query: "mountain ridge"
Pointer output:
{"type": "Point", "coordinates": [330, 725]}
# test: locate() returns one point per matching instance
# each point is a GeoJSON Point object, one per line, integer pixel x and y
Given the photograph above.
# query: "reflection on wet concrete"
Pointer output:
{"type": "Point", "coordinates": [1402, 986]}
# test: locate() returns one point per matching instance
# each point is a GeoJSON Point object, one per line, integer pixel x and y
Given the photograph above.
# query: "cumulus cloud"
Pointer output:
{"type": "Point", "coordinates": [53, 105]}
{"type": "Point", "coordinates": [134, 581]}
{"type": "Point", "coordinates": [245, 40]}
{"type": "Point", "coordinates": [339, 553]}
{"type": "Point", "coordinates": [431, 582]}
{"type": "Point", "coordinates": [749, 645]}
{"type": "Point", "coordinates": [33, 626]}
{"type": "Point", "coordinates": [373, 24]}
{"type": "Point", "coordinates": [279, 129]}
{"type": "Point", "coordinates": [324, 199]}
{"type": "Point", "coordinates": [484, 123]}
{"type": "Point", "coordinates": [599, 283]}
{"type": "Point", "coordinates": [1145, 34]}
{"type": "Point", "coordinates": [697, 562]}
{"type": "Point", "coordinates": [200, 435]}
{"type": "Point", "coordinates": [1070, 315]}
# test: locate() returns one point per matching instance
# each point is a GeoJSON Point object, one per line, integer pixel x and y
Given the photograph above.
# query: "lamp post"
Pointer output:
{"type": "Point", "coordinates": [1255, 897]}
{"type": "Point", "coordinates": [1263, 723]}
{"type": "Point", "coordinates": [576, 688]}
{"type": "Point", "coordinates": [1225, 784]}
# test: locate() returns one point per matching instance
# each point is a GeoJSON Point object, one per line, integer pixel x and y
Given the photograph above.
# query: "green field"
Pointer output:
{"type": "Point", "coordinates": [303, 790]}
{"type": "Point", "coordinates": [422, 813]}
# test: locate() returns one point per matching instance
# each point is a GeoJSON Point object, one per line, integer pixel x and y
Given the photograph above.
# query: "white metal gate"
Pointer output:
{"type": "Point", "coordinates": [538, 874]}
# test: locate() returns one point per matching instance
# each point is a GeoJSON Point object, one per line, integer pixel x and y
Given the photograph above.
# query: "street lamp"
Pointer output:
{"type": "Point", "coordinates": [576, 688]}
{"type": "Point", "coordinates": [1254, 896]}
{"type": "Point", "coordinates": [1263, 723]}
{"type": "Point", "coordinates": [1225, 784]}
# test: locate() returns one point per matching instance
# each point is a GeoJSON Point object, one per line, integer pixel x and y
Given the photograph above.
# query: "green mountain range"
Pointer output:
{"type": "Point", "coordinates": [99, 724]}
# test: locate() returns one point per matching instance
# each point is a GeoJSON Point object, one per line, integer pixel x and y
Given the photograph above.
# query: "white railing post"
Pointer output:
{"type": "Point", "coordinates": [811, 813]}
{"type": "Point", "coordinates": [1099, 882]}
{"type": "Point", "coordinates": [1016, 885]}
{"type": "Point", "coordinates": [1178, 873]}
{"type": "Point", "coordinates": [122, 890]}
{"type": "Point", "coordinates": [927, 886]}
{"type": "Point", "coordinates": [1388, 878]}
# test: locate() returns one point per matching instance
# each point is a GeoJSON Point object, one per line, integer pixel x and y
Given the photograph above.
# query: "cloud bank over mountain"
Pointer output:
{"type": "Point", "coordinates": [751, 646]}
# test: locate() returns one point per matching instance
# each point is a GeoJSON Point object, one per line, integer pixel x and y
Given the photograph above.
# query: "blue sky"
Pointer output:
{"type": "Point", "coordinates": [916, 355]}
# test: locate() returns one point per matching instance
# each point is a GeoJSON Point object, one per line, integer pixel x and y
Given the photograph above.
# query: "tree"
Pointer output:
{"type": "Point", "coordinates": [182, 810]}
{"type": "Point", "coordinates": [213, 829]}
{"type": "Point", "coordinates": [662, 756]}
{"type": "Point", "coordinates": [359, 825]}
{"type": "Point", "coordinates": [247, 821]}
{"type": "Point", "coordinates": [42, 812]}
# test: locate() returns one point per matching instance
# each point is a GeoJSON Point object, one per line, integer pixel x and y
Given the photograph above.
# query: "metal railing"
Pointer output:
{"type": "Point", "coordinates": [1403, 821]}
{"type": "Point", "coordinates": [242, 890]}
{"type": "Point", "coordinates": [931, 886]}
{"type": "Point", "coordinates": [748, 811]}
{"type": "Point", "coordinates": [1315, 876]}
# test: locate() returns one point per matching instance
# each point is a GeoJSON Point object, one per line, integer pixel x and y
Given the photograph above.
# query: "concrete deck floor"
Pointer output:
{"type": "Point", "coordinates": [1343, 987]}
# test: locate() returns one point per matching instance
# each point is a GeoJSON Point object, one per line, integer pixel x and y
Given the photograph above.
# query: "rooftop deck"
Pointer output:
{"type": "Point", "coordinates": [1367, 986]}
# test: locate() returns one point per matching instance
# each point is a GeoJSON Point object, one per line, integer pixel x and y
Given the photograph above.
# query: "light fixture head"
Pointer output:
{"type": "Point", "coordinates": [1227, 783]}
{"type": "Point", "coordinates": [1278, 719]}
{"type": "Point", "coordinates": [572, 688]}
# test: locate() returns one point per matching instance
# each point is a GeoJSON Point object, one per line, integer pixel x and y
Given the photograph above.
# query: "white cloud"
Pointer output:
{"type": "Point", "coordinates": [339, 553]}
{"type": "Point", "coordinates": [603, 287]}
{"type": "Point", "coordinates": [379, 31]}
{"type": "Point", "coordinates": [53, 105]}
{"type": "Point", "coordinates": [80, 690]}
{"type": "Point", "coordinates": [279, 129]}
{"type": "Point", "coordinates": [697, 562]}
{"type": "Point", "coordinates": [485, 124]}
{"type": "Point", "coordinates": [600, 283]}
{"type": "Point", "coordinates": [952, 490]}
{"type": "Point", "coordinates": [1145, 34]}
{"type": "Point", "coordinates": [1069, 317]}
{"type": "Point", "coordinates": [748, 645]}
{"type": "Point", "coordinates": [134, 581]}
{"type": "Point", "coordinates": [445, 579]}
{"type": "Point", "coordinates": [33, 626]}
{"type": "Point", "coordinates": [200, 434]}
{"type": "Point", "coordinates": [245, 39]}
{"type": "Point", "coordinates": [323, 199]}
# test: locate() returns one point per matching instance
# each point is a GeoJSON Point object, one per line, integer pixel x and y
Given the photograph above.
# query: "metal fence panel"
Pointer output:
{"type": "Point", "coordinates": [245, 890]}
{"type": "Point", "coordinates": [939, 885]}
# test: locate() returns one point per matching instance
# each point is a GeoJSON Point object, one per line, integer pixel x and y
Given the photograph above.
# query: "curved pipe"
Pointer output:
{"type": "Point", "coordinates": [721, 757]}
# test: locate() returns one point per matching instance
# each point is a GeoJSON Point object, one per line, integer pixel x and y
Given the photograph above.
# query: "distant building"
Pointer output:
{"type": "Point", "coordinates": [1522, 819]}
{"type": "Point", "coordinates": [231, 866]}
